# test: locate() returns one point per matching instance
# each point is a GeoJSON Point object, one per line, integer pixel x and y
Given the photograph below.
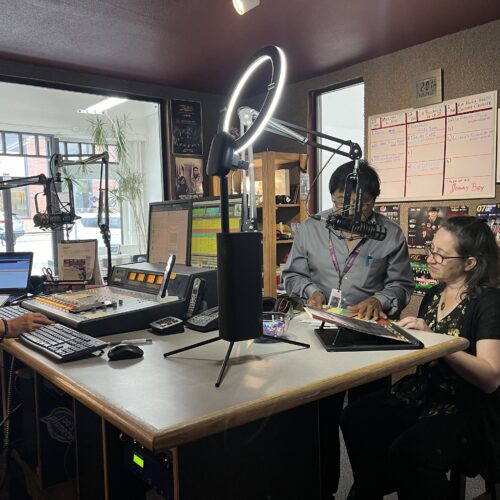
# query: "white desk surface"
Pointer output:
{"type": "Point", "coordinates": [166, 402]}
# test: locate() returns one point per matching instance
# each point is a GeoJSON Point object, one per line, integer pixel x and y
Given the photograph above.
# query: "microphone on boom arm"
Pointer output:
{"type": "Point", "coordinates": [363, 229]}
{"type": "Point", "coordinates": [57, 214]}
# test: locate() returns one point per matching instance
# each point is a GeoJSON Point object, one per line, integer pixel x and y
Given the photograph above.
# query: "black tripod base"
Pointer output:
{"type": "Point", "coordinates": [228, 353]}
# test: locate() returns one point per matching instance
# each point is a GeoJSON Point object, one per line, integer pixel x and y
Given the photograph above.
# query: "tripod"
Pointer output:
{"type": "Point", "coordinates": [229, 349]}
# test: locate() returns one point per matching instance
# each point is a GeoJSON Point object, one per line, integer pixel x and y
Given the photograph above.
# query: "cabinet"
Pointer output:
{"type": "Point", "coordinates": [271, 213]}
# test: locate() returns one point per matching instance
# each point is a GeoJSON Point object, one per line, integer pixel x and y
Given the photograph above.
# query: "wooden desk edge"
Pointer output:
{"type": "Point", "coordinates": [248, 412]}
{"type": "Point", "coordinates": [162, 439]}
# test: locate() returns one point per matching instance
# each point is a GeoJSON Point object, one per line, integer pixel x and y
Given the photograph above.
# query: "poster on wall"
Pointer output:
{"type": "Point", "coordinates": [421, 274]}
{"type": "Point", "coordinates": [491, 214]}
{"type": "Point", "coordinates": [423, 222]}
{"type": "Point", "coordinates": [457, 210]}
{"type": "Point", "coordinates": [188, 177]}
{"type": "Point", "coordinates": [390, 211]}
{"type": "Point", "coordinates": [186, 127]}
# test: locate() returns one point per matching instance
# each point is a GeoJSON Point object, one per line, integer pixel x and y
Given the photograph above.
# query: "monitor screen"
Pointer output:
{"type": "Point", "coordinates": [206, 224]}
{"type": "Point", "coordinates": [169, 231]}
{"type": "Point", "coordinates": [15, 271]}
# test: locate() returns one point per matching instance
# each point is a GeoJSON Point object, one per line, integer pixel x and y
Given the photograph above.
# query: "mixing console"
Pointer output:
{"type": "Point", "coordinates": [125, 307]}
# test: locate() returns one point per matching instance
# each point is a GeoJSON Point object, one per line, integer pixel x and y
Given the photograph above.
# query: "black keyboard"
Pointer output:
{"type": "Point", "coordinates": [57, 341]}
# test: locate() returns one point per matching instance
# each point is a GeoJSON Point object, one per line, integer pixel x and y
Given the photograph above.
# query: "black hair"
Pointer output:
{"type": "Point", "coordinates": [369, 179]}
{"type": "Point", "coordinates": [475, 239]}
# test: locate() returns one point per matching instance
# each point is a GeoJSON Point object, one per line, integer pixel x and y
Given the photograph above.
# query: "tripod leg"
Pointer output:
{"type": "Point", "coordinates": [224, 363]}
{"type": "Point", "coordinates": [287, 341]}
{"type": "Point", "coordinates": [192, 346]}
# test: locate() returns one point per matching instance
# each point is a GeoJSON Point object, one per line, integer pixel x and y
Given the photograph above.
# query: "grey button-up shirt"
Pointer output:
{"type": "Point", "coordinates": [382, 268]}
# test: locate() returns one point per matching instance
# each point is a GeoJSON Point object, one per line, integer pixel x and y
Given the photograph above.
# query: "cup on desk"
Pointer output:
{"type": "Point", "coordinates": [275, 324]}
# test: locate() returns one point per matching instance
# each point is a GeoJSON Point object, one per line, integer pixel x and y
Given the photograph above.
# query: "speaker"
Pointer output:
{"type": "Point", "coordinates": [239, 285]}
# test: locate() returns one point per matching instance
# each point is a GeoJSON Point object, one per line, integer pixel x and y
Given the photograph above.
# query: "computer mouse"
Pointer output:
{"type": "Point", "coordinates": [125, 351]}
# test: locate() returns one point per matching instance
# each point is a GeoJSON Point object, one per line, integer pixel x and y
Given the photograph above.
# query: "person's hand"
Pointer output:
{"type": "Point", "coordinates": [413, 323]}
{"type": "Point", "coordinates": [317, 299]}
{"type": "Point", "coordinates": [370, 308]}
{"type": "Point", "coordinates": [26, 323]}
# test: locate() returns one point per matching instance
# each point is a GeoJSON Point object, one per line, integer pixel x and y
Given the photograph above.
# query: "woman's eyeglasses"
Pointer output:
{"type": "Point", "coordinates": [438, 258]}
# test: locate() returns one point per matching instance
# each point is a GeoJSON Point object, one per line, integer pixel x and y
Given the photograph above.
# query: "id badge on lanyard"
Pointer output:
{"type": "Point", "coordinates": [335, 299]}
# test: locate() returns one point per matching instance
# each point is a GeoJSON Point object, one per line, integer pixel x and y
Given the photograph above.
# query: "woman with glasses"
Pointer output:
{"type": "Point", "coordinates": [448, 413]}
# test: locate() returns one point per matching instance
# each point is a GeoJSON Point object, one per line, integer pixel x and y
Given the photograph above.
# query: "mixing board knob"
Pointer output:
{"type": "Point", "coordinates": [120, 302]}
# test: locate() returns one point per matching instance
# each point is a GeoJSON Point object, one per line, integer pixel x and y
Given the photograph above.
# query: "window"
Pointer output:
{"type": "Point", "coordinates": [340, 113]}
{"type": "Point", "coordinates": [53, 125]}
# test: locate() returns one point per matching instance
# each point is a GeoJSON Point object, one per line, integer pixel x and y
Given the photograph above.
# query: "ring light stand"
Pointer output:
{"type": "Point", "coordinates": [239, 255]}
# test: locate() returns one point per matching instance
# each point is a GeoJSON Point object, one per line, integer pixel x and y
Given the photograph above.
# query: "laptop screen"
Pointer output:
{"type": "Point", "coordinates": [15, 271]}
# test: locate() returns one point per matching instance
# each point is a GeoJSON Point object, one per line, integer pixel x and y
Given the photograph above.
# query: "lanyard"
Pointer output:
{"type": "Point", "coordinates": [349, 262]}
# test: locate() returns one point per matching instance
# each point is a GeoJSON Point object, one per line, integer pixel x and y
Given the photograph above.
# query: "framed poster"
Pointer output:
{"type": "Point", "coordinates": [188, 177]}
{"type": "Point", "coordinates": [187, 138]}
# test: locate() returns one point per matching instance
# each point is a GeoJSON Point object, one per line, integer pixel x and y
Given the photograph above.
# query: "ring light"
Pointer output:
{"type": "Point", "coordinates": [274, 91]}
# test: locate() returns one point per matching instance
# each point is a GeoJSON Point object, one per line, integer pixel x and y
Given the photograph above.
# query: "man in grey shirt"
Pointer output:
{"type": "Point", "coordinates": [373, 279]}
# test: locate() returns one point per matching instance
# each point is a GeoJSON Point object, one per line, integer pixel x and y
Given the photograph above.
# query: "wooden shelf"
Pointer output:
{"type": "Point", "coordinates": [270, 213]}
{"type": "Point", "coordinates": [266, 165]}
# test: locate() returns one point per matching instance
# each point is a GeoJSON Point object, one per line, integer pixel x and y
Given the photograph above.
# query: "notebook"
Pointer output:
{"type": "Point", "coordinates": [15, 273]}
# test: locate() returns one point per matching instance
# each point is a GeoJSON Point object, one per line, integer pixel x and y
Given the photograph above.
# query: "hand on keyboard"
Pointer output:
{"type": "Point", "coordinates": [26, 323]}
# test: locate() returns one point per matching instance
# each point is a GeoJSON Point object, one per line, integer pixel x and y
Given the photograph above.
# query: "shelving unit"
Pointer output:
{"type": "Point", "coordinates": [271, 213]}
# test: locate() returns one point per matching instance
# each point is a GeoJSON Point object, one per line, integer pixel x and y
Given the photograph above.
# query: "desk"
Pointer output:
{"type": "Point", "coordinates": [172, 403]}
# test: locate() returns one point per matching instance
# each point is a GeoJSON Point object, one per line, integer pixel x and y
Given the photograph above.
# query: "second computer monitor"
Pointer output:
{"type": "Point", "coordinates": [205, 225]}
{"type": "Point", "coordinates": [169, 231]}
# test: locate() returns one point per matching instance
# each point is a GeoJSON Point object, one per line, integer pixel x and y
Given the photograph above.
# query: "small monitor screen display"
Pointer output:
{"type": "Point", "coordinates": [15, 271]}
{"type": "Point", "coordinates": [169, 229]}
{"type": "Point", "coordinates": [205, 226]}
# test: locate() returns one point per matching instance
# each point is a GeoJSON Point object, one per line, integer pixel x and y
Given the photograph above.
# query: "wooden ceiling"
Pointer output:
{"type": "Point", "coordinates": [202, 44]}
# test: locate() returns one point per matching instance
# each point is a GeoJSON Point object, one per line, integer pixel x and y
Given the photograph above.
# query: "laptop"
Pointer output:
{"type": "Point", "coordinates": [15, 273]}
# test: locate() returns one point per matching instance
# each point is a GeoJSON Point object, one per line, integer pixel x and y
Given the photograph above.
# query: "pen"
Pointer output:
{"type": "Point", "coordinates": [131, 342]}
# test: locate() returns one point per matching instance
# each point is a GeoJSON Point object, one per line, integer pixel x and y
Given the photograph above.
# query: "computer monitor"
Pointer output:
{"type": "Point", "coordinates": [15, 272]}
{"type": "Point", "coordinates": [205, 224]}
{"type": "Point", "coordinates": [169, 231]}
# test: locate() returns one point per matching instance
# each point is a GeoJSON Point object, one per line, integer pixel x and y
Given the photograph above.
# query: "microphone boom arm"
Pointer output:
{"type": "Point", "coordinates": [103, 203]}
{"type": "Point", "coordinates": [354, 152]}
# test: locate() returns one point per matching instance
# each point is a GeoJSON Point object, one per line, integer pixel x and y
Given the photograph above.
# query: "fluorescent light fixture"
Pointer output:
{"type": "Point", "coordinates": [243, 6]}
{"type": "Point", "coordinates": [100, 107]}
{"type": "Point", "coordinates": [278, 60]}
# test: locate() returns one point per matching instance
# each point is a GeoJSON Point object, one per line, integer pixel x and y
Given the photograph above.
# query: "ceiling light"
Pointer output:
{"type": "Point", "coordinates": [100, 107]}
{"type": "Point", "coordinates": [243, 6]}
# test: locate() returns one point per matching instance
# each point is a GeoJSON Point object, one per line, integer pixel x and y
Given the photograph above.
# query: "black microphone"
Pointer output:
{"type": "Point", "coordinates": [53, 221]}
{"type": "Point", "coordinates": [55, 215]}
{"type": "Point", "coordinates": [363, 229]}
